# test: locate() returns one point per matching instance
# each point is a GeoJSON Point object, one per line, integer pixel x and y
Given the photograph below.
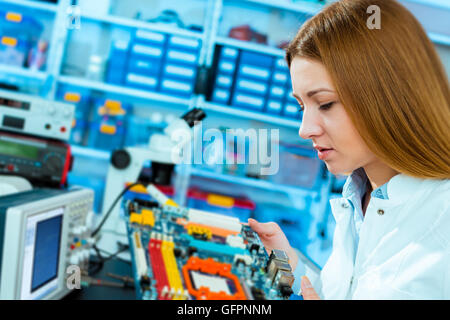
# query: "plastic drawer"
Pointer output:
{"type": "Point", "coordinates": [256, 59]}
{"type": "Point", "coordinates": [106, 135]}
{"type": "Point", "coordinates": [250, 86]}
{"type": "Point", "coordinates": [141, 82]}
{"type": "Point", "coordinates": [248, 101]}
{"type": "Point", "coordinates": [149, 37]}
{"type": "Point", "coordinates": [176, 87]}
{"type": "Point", "coordinates": [274, 106]}
{"type": "Point", "coordinates": [180, 72]}
{"type": "Point", "coordinates": [221, 96]}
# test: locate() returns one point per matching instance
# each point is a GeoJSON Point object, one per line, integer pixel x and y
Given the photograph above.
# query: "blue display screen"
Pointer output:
{"type": "Point", "coordinates": [46, 251]}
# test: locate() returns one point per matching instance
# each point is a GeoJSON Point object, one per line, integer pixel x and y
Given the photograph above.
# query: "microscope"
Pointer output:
{"type": "Point", "coordinates": [126, 166]}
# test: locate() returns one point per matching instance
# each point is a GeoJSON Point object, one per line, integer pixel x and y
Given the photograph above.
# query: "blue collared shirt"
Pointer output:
{"type": "Point", "coordinates": [354, 189]}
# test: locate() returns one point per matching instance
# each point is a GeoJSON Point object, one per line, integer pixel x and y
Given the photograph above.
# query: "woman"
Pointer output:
{"type": "Point", "coordinates": [376, 105]}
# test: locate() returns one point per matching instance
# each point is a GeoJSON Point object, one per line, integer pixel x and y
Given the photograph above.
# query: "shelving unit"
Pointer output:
{"type": "Point", "coordinates": [301, 7]}
{"type": "Point", "coordinates": [23, 73]}
{"type": "Point", "coordinates": [211, 37]}
{"type": "Point", "coordinates": [123, 91]}
{"type": "Point", "coordinates": [132, 23]}
{"type": "Point", "coordinates": [276, 52]}
{"type": "Point", "coordinates": [38, 5]}
{"type": "Point", "coordinates": [251, 182]}
{"type": "Point", "coordinates": [252, 115]}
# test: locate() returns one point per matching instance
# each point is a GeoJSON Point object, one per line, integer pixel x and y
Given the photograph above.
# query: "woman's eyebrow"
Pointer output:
{"type": "Point", "coordinates": [312, 92]}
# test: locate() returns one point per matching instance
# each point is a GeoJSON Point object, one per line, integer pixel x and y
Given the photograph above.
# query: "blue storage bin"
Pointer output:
{"type": "Point", "coordinates": [224, 81]}
{"type": "Point", "coordinates": [80, 97]}
{"type": "Point", "coordinates": [290, 97]}
{"type": "Point", "coordinates": [118, 54]}
{"type": "Point", "coordinates": [149, 37]}
{"type": "Point", "coordinates": [115, 75]}
{"type": "Point", "coordinates": [254, 72]}
{"type": "Point", "coordinates": [107, 134]}
{"type": "Point", "coordinates": [281, 65]}
{"type": "Point", "coordinates": [117, 63]}
{"type": "Point", "coordinates": [111, 107]}
{"type": "Point", "coordinates": [248, 101]}
{"type": "Point", "coordinates": [252, 87]}
{"type": "Point", "coordinates": [19, 25]}
{"type": "Point", "coordinates": [14, 51]}
{"type": "Point", "coordinates": [257, 59]}
{"type": "Point", "coordinates": [179, 72]}
{"type": "Point", "coordinates": [221, 96]}
{"type": "Point", "coordinates": [227, 53]}
{"type": "Point", "coordinates": [183, 43]}
{"type": "Point", "coordinates": [141, 82]}
{"type": "Point", "coordinates": [176, 87]}
{"type": "Point", "coordinates": [277, 92]}
{"type": "Point", "coordinates": [226, 66]}
{"type": "Point", "coordinates": [292, 110]}
{"type": "Point", "coordinates": [180, 56]}
{"type": "Point", "coordinates": [147, 52]}
{"type": "Point", "coordinates": [79, 131]}
{"type": "Point", "coordinates": [227, 61]}
{"type": "Point", "coordinates": [274, 106]}
{"type": "Point", "coordinates": [142, 66]}
{"type": "Point", "coordinates": [280, 78]}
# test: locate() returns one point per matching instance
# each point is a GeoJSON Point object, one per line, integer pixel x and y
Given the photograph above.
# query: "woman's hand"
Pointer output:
{"type": "Point", "coordinates": [308, 291]}
{"type": "Point", "coordinates": [273, 237]}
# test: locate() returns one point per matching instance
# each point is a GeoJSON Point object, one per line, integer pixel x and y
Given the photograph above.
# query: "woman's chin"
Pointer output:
{"type": "Point", "coordinates": [336, 169]}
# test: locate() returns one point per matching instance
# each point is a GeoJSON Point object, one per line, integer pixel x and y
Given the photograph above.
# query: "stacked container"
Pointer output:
{"type": "Point", "coordinates": [108, 128]}
{"type": "Point", "coordinates": [18, 34]}
{"type": "Point", "coordinates": [155, 61]}
{"type": "Point", "coordinates": [80, 97]}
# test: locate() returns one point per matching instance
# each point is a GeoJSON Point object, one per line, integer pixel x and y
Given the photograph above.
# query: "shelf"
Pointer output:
{"type": "Point", "coordinates": [89, 152]}
{"type": "Point", "coordinates": [133, 23]}
{"type": "Point", "coordinates": [249, 182]}
{"type": "Point", "coordinates": [22, 73]}
{"type": "Point", "coordinates": [439, 38]}
{"type": "Point", "coordinates": [261, 48]}
{"type": "Point", "coordinates": [440, 4]}
{"type": "Point", "coordinates": [38, 5]}
{"type": "Point", "coordinates": [120, 90]}
{"type": "Point", "coordinates": [252, 115]}
{"type": "Point", "coordinates": [300, 7]}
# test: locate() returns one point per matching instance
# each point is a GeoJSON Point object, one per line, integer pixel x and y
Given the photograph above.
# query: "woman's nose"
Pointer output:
{"type": "Point", "coordinates": [310, 126]}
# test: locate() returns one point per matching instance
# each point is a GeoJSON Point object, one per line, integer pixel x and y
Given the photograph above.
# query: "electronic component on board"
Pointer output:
{"type": "Point", "coordinates": [185, 254]}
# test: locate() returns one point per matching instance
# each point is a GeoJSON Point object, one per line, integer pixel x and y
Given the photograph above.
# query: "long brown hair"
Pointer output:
{"type": "Point", "coordinates": [390, 81]}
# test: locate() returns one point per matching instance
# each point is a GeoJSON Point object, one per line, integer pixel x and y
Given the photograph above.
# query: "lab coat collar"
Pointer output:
{"type": "Point", "coordinates": [400, 187]}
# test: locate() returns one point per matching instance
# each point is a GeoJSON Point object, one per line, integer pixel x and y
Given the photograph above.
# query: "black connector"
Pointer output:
{"type": "Point", "coordinates": [193, 116]}
{"type": "Point", "coordinates": [286, 291]}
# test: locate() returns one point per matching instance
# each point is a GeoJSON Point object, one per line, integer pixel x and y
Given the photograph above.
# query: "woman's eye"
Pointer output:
{"type": "Point", "coordinates": [326, 106]}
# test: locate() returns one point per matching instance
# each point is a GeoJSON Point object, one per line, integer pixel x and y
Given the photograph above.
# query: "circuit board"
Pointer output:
{"type": "Point", "coordinates": [187, 254]}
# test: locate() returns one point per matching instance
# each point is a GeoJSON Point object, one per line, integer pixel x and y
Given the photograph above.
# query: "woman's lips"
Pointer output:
{"type": "Point", "coordinates": [324, 153]}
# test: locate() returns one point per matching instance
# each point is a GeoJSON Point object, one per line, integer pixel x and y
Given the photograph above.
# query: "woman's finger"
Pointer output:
{"type": "Point", "coordinates": [308, 291]}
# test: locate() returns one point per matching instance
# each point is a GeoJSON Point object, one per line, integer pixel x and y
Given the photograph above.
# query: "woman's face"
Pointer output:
{"type": "Point", "coordinates": [325, 120]}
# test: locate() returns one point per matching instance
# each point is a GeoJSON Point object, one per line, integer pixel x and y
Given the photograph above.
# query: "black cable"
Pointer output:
{"type": "Point", "coordinates": [101, 260]}
{"type": "Point", "coordinates": [112, 207]}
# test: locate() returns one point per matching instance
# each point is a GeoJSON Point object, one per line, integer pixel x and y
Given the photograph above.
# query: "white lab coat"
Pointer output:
{"type": "Point", "coordinates": [401, 254]}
